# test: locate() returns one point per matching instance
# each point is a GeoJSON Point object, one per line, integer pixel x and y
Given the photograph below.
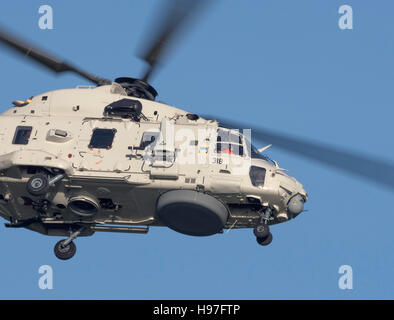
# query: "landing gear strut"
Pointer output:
{"type": "Point", "coordinates": [66, 249]}
{"type": "Point", "coordinates": [262, 231]}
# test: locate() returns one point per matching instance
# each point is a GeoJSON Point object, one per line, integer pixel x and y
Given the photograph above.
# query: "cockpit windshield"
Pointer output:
{"type": "Point", "coordinates": [255, 154]}
{"type": "Point", "coordinates": [226, 137]}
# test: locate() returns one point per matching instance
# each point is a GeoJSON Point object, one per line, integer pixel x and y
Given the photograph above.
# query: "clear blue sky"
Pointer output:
{"type": "Point", "coordinates": [284, 65]}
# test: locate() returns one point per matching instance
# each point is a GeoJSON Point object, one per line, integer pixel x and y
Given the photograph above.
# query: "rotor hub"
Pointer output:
{"type": "Point", "coordinates": [137, 88]}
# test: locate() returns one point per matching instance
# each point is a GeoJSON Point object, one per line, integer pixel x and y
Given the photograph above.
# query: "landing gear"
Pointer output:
{"type": "Point", "coordinates": [66, 249]}
{"type": "Point", "coordinates": [262, 230]}
{"type": "Point", "coordinates": [65, 252]}
{"type": "Point", "coordinates": [39, 184]}
{"type": "Point", "coordinates": [265, 241]}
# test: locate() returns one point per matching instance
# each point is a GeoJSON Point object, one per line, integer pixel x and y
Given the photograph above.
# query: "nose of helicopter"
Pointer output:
{"type": "Point", "coordinates": [295, 195]}
{"type": "Point", "coordinates": [296, 205]}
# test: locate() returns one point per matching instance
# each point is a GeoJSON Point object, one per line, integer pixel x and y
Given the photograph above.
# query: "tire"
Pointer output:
{"type": "Point", "coordinates": [191, 212]}
{"type": "Point", "coordinates": [261, 231]}
{"type": "Point", "coordinates": [65, 253]}
{"type": "Point", "coordinates": [265, 241]}
{"type": "Point", "coordinates": [38, 185]}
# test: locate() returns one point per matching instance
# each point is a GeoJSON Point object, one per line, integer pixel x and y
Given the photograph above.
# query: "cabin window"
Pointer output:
{"type": "Point", "coordinates": [147, 139]}
{"type": "Point", "coordinates": [229, 143]}
{"type": "Point", "coordinates": [227, 148]}
{"type": "Point", "coordinates": [22, 135]}
{"type": "Point", "coordinates": [102, 138]}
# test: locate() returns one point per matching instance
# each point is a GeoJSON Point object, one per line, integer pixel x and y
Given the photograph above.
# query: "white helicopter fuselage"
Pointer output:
{"type": "Point", "coordinates": [63, 133]}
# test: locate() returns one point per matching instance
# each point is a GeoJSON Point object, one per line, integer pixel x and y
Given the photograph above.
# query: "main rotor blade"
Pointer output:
{"type": "Point", "coordinates": [376, 170]}
{"type": "Point", "coordinates": [45, 59]}
{"type": "Point", "coordinates": [177, 14]}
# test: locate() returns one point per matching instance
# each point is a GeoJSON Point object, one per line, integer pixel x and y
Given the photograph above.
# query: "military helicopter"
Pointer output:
{"type": "Point", "coordinates": [110, 158]}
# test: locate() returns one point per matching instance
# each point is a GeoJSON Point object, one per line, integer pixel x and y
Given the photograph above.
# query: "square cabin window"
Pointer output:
{"type": "Point", "coordinates": [22, 135]}
{"type": "Point", "coordinates": [102, 138]}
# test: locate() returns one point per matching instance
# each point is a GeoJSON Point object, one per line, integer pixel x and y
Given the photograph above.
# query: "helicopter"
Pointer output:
{"type": "Point", "coordinates": [110, 158]}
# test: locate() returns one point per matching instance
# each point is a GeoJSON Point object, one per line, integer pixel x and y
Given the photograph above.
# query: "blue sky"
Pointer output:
{"type": "Point", "coordinates": [283, 65]}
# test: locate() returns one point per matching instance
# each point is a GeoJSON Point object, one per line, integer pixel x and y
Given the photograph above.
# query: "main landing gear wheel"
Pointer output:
{"type": "Point", "coordinates": [65, 252]}
{"type": "Point", "coordinates": [265, 241]}
{"type": "Point", "coordinates": [38, 185]}
{"type": "Point", "coordinates": [261, 231]}
{"type": "Point", "coordinates": [65, 249]}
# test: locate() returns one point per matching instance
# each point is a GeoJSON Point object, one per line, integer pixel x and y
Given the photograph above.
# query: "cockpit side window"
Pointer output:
{"type": "Point", "coordinates": [22, 135]}
{"type": "Point", "coordinates": [257, 176]}
{"type": "Point", "coordinates": [229, 143]}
